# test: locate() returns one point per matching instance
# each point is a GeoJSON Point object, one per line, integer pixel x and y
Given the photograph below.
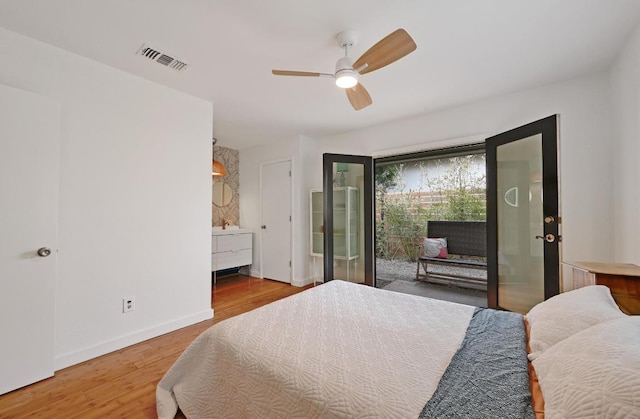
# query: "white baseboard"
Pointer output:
{"type": "Point", "coordinates": [295, 282]}
{"type": "Point", "coordinates": [73, 358]}
{"type": "Point", "coordinates": [302, 282]}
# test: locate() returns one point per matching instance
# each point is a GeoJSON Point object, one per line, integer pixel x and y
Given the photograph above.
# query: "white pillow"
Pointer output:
{"type": "Point", "coordinates": [568, 313]}
{"type": "Point", "coordinates": [594, 373]}
{"type": "Point", "coordinates": [435, 247]}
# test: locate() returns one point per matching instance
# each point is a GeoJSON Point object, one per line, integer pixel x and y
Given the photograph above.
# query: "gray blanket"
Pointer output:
{"type": "Point", "coordinates": [488, 376]}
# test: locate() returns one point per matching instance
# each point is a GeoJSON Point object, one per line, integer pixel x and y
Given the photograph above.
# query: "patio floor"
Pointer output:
{"type": "Point", "coordinates": [399, 276]}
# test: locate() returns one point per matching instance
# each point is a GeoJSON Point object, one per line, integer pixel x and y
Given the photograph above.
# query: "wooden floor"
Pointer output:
{"type": "Point", "coordinates": [123, 383]}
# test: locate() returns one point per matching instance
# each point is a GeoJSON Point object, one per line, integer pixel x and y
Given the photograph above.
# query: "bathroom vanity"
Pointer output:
{"type": "Point", "coordinates": [230, 248]}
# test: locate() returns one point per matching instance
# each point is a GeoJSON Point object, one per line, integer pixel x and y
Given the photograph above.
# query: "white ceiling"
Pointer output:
{"type": "Point", "coordinates": [467, 50]}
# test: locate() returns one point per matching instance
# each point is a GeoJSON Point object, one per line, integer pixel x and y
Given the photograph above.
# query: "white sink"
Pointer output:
{"type": "Point", "coordinates": [219, 228]}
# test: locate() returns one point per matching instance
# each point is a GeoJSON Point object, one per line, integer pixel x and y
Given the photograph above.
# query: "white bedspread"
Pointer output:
{"type": "Point", "coordinates": [338, 350]}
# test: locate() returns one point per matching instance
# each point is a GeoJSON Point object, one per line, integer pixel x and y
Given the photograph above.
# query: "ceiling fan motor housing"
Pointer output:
{"type": "Point", "coordinates": [344, 63]}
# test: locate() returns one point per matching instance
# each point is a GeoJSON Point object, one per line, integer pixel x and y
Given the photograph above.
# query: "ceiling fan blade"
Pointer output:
{"type": "Point", "coordinates": [358, 96]}
{"type": "Point", "coordinates": [391, 48]}
{"type": "Point", "coordinates": [298, 73]}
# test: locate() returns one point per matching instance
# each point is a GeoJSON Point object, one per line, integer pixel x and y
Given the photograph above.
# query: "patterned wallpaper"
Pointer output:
{"type": "Point", "coordinates": [231, 213]}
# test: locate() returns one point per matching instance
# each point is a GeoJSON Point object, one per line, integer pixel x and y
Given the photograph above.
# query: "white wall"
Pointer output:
{"type": "Point", "coordinates": [135, 191]}
{"type": "Point", "coordinates": [299, 150]}
{"type": "Point", "coordinates": [599, 152]}
{"type": "Point", "coordinates": [585, 149]}
{"type": "Point", "coordinates": [585, 152]}
{"type": "Point", "coordinates": [625, 205]}
{"type": "Point", "coordinates": [586, 158]}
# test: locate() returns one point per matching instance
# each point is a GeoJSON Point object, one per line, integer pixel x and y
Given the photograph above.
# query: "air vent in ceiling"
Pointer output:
{"type": "Point", "coordinates": [167, 60]}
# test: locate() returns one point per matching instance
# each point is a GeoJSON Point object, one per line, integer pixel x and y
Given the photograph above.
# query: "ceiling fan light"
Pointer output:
{"type": "Point", "coordinates": [346, 79]}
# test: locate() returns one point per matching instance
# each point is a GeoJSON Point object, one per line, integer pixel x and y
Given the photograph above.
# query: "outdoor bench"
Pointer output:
{"type": "Point", "coordinates": [467, 248]}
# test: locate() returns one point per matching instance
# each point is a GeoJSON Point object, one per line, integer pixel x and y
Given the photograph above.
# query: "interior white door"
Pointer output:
{"type": "Point", "coordinates": [29, 141]}
{"type": "Point", "coordinates": [276, 221]}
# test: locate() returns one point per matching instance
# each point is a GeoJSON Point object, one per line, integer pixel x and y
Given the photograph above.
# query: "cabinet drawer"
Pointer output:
{"type": "Point", "coordinates": [214, 244]}
{"type": "Point", "coordinates": [230, 242]}
{"type": "Point", "coordinates": [214, 261]}
{"type": "Point", "coordinates": [226, 260]}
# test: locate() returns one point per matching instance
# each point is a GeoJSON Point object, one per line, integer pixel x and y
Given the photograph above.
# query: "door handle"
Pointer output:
{"type": "Point", "coordinates": [549, 238]}
{"type": "Point", "coordinates": [44, 252]}
{"type": "Point", "coordinates": [264, 227]}
{"type": "Point", "coordinates": [549, 219]}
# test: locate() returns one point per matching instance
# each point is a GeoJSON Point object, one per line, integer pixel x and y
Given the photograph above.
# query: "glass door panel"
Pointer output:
{"type": "Point", "coordinates": [349, 222]}
{"type": "Point", "coordinates": [523, 266]}
{"type": "Point", "coordinates": [520, 255]}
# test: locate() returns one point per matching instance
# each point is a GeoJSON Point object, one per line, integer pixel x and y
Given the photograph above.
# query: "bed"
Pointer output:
{"type": "Point", "coordinates": [341, 350]}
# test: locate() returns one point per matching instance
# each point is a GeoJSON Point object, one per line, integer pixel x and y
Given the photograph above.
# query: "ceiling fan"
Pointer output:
{"type": "Point", "coordinates": [389, 49]}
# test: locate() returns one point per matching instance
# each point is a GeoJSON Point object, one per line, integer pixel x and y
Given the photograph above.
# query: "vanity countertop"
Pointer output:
{"type": "Point", "coordinates": [217, 231]}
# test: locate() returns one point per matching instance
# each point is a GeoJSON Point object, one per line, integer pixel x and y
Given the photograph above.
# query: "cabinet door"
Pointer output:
{"type": "Point", "coordinates": [317, 224]}
{"type": "Point", "coordinates": [340, 223]}
{"type": "Point", "coordinates": [345, 223]}
{"type": "Point", "coordinates": [353, 217]}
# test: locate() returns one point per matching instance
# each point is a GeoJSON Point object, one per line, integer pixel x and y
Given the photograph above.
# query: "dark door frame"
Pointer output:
{"type": "Point", "coordinates": [548, 127]}
{"type": "Point", "coordinates": [327, 185]}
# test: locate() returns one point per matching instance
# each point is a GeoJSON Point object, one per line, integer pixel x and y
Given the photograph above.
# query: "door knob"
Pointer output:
{"type": "Point", "coordinates": [549, 219]}
{"type": "Point", "coordinates": [44, 252]}
{"type": "Point", "coordinates": [264, 227]}
{"type": "Point", "coordinates": [549, 238]}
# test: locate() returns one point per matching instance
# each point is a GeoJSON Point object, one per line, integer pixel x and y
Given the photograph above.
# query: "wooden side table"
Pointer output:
{"type": "Point", "coordinates": [622, 278]}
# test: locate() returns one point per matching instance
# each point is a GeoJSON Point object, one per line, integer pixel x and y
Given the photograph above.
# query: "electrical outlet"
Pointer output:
{"type": "Point", "coordinates": [128, 304]}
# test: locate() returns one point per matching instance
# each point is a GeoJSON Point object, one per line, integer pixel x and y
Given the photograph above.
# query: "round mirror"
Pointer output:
{"type": "Point", "coordinates": [222, 194]}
